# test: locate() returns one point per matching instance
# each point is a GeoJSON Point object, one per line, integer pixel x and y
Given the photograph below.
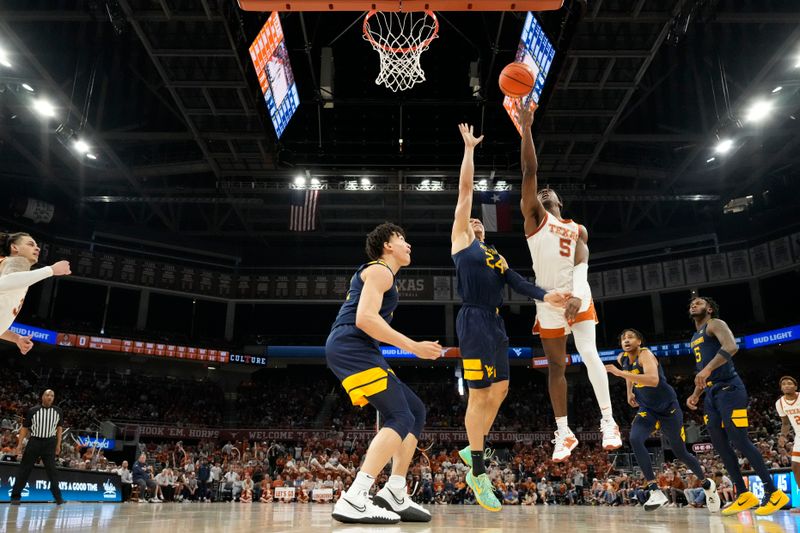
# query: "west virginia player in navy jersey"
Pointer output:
{"type": "Point", "coordinates": [482, 274]}
{"type": "Point", "coordinates": [713, 346]}
{"type": "Point", "coordinates": [658, 409]}
{"type": "Point", "coordinates": [353, 353]}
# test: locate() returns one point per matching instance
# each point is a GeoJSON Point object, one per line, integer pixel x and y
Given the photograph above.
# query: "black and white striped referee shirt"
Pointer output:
{"type": "Point", "coordinates": [43, 421]}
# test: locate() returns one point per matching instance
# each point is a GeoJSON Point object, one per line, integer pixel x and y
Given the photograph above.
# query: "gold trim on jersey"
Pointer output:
{"type": "Point", "coordinates": [366, 383]}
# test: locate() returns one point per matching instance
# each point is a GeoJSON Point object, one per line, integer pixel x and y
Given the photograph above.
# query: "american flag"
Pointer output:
{"type": "Point", "coordinates": [303, 212]}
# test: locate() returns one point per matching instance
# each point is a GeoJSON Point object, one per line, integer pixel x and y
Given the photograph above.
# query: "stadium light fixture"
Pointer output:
{"type": "Point", "coordinates": [91, 156]}
{"type": "Point", "coordinates": [711, 159]}
{"type": "Point", "coordinates": [758, 111]}
{"type": "Point", "coordinates": [724, 146]}
{"type": "Point", "coordinates": [300, 182]}
{"type": "Point", "coordinates": [315, 182]}
{"type": "Point", "coordinates": [81, 146]}
{"type": "Point", "coordinates": [44, 108]}
{"type": "Point", "coordinates": [777, 89]}
{"type": "Point", "coordinates": [4, 59]}
{"type": "Point", "coordinates": [365, 182]}
{"type": "Point", "coordinates": [27, 87]}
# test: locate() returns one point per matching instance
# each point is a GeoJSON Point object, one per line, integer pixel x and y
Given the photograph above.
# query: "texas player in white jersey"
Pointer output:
{"type": "Point", "coordinates": [560, 262]}
{"type": "Point", "coordinates": [18, 253]}
{"type": "Point", "coordinates": [789, 410]}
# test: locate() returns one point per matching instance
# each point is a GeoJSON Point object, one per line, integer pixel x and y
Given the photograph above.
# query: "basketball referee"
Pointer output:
{"type": "Point", "coordinates": [43, 423]}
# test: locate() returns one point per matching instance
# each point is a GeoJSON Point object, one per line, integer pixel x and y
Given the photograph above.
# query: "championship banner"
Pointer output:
{"type": "Point", "coordinates": [262, 286]}
{"type": "Point", "coordinates": [148, 273]}
{"type": "Point", "coordinates": [759, 258]}
{"type": "Point", "coordinates": [187, 279]}
{"type": "Point", "coordinates": [780, 250]}
{"type": "Point", "coordinates": [717, 267]}
{"type": "Point", "coordinates": [279, 287]}
{"type": "Point", "coordinates": [596, 284]}
{"type": "Point", "coordinates": [612, 282]}
{"type": "Point", "coordinates": [75, 485]}
{"type": "Point", "coordinates": [84, 264]}
{"type": "Point", "coordinates": [168, 277]}
{"type": "Point", "coordinates": [695, 270]}
{"type": "Point", "coordinates": [739, 263]}
{"type": "Point", "coordinates": [319, 288]}
{"type": "Point", "coordinates": [106, 266]}
{"type": "Point", "coordinates": [632, 279]}
{"type": "Point", "coordinates": [224, 285]}
{"type": "Point", "coordinates": [441, 288]}
{"type": "Point", "coordinates": [673, 273]}
{"type": "Point", "coordinates": [128, 270]}
{"type": "Point", "coordinates": [300, 287]}
{"type": "Point", "coordinates": [341, 284]}
{"type": "Point", "coordinates": [244, 286]}
{"type": "Point", "coordinates": [653, 276]}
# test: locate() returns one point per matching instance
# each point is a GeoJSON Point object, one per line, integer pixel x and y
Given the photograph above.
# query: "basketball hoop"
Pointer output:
{"type": "Point", "coordinates": [400, 38]}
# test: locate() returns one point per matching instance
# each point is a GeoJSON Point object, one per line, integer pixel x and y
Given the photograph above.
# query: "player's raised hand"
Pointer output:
{"type": "Point", "coordinates": [61, 268]}
{"type": "Point", "coordinates": [557, 298]}
{"type": "Point", "coordinates": [25, 344]}
{"type": "Point", "coordinates": [525, 113]}
{"type": "Point", "coordinates": [572, 308]}
{"type": "Point", "coordinates": [470, 141]}
{"type": "Point", "coordinates": [427, 349]}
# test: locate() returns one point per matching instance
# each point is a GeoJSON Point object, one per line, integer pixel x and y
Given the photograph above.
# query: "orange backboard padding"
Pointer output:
{"type": "Point", "coordinates": [396, 5]}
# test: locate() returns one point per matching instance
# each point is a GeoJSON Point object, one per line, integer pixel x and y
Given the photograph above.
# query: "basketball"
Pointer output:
{"type": "Point", "coordinates": [516, 80]}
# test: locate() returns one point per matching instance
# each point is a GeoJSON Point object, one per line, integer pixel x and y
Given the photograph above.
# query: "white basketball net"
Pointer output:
{"type": "Point", "coordinates": [400, 39]}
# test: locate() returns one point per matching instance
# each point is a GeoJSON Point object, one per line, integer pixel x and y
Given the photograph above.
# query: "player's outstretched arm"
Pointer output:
{"type": "Point", "coordinates": [532, 209]}
{"type": "Point", "coordinates": [377, 280]}
{"type": "Point", "coordinates": [25, 344]}
{"type": "Point", "coordinates": [522, 286]}
{"type": "Point", "coordinates": [728, 348]}
{"type": "Point", "coordinates": [462, 234]}
{"type": "Point", "coordinates": [20, 280]}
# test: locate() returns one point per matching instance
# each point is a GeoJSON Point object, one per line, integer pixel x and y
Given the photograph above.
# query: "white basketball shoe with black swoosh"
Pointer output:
{"type": "Point", "coordinates": [358, 509]}
{"type": "Point", "coordinates": [399, 502]}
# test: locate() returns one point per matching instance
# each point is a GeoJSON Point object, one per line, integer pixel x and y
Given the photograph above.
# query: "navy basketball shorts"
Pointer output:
{"type": "Point", "coordinates": [483, 344]}
{"type": "Point", "coordinates": [357, 362]}
{"type": "Point", "coordinates": [667, 418]}
{"type": "Point", "coordinates": [726, 404]}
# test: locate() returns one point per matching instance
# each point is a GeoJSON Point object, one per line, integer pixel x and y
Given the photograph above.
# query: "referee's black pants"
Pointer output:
{"type": "Point", "coordinates": [46, 449]}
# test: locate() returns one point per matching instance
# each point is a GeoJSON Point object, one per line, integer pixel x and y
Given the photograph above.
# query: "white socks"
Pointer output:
{"type": "Point", "coordinates": [362, 483]}
{"type": "Point", "coordinates": [396, 483]}
{"type": "Point", "coordinates": [561, 424]}
{"type": "Point", "coordinates": [584, 335]}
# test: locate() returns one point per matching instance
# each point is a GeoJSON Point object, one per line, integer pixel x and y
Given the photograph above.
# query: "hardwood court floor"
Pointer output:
{"type": "Point", "coordinates": [295, 518]}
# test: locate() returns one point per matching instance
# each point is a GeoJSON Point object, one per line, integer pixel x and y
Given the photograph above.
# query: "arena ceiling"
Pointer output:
{"type": "Point", "coordinates": [164, 92]}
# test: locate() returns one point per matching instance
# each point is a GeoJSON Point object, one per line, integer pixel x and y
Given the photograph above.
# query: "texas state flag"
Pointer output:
{"type": "Point", "coordinates": [495, 211]}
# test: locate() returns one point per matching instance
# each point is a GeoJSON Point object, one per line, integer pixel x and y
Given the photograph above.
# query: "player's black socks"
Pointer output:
{"type": "Point", "coordinates": [706, 483]}
{"type": "Point", "coordinates": [478, 467]}
{"type": "Point", "coordinates": [652, 486]}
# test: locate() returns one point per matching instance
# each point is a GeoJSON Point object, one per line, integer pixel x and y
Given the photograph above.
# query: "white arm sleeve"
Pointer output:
{"type": "Point", "coordinates": [20, 280]}
{"type": "Point", "coordinates": [580, 282]}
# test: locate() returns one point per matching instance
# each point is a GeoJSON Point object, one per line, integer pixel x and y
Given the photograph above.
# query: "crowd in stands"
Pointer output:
{"type": "Point", "coordinates": [319, 469]}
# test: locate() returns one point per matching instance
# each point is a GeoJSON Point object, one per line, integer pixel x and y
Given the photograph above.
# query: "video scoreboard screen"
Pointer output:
{"type": "Point", "coordinates": [271, 60]}
{"type": "Point", "coordinates": [536, 51]}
